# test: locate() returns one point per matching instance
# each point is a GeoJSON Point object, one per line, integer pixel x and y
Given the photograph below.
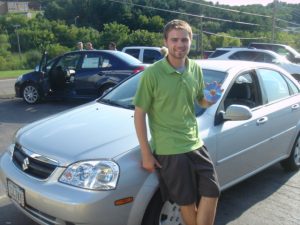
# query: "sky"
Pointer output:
{"type": "Point", "coordinates": [249, 2]}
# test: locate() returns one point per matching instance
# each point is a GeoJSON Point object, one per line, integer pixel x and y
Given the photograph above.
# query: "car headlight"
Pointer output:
{"type": "Point", "coordinates": [93, 174]}
{"type": "Point", "coordinates": [19, 78]}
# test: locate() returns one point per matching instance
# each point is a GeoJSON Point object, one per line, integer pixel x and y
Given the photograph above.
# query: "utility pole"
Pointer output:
{"type": "Point", "coordinates": [201, 35]}
{"type": "Point", "coordinates": [273, 20]}
{"type": "Point", "coordinates": [16, 26]}
{"type": "Point", "coordinates": [75, 20]}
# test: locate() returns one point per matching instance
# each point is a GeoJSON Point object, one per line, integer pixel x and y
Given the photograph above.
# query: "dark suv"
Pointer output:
{"type": "Point", "coordinates": [76, 75]}
{"type": "Point", "coordinates": [285, 50]}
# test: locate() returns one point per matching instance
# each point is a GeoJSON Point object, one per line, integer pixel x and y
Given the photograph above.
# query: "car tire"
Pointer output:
{"type": "Point", "coordinates": [292, 163]}
{"type": "Point", "coordinates": [159, 212]}
{"type": "Point", "coordinates": [30, 94]}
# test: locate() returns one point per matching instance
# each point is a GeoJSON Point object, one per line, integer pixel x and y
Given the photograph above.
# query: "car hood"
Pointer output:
{"type": "Point", "coordinates": [91, 131]}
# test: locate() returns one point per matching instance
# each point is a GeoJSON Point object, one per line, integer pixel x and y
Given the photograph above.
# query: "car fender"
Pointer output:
{"type": "Point", "coordinates": [142, 199]}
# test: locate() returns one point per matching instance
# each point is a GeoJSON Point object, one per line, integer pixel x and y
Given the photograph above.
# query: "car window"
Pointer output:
{"type": "Point", "coordinates": [294, 89]}
{"type": "Point", "coordinates": [243, 91]}
{"type": "Point", "coordinates": [217, 53]}
{"type": "Point", "coordinates": [92, 60]}
{"type": "Point", "coordinates": [244, 55]}
{"type": "Point", "coordinates": [264, 57]}
{"type": "Point", "coordinates": [69, 61]}
{"type": "Point", "coordinates": [151, 56]}
{"type": "Point", "coordinates": [134, 52]}
{"type": "Point", "coordinates": [274, 85]}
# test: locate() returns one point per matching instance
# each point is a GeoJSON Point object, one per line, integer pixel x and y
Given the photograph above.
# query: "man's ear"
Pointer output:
{"type": "Point", "coordinates": [165, 43]}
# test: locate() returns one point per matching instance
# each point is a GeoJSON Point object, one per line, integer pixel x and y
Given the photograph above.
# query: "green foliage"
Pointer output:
{"type": "Point", "coordinates": [32, 57]}
{"type": "Point", "coordinates": [65, 22]}
{"type": "Point", "coordinates": [56, 50]}
{"type": "Point", "coordinates": [4, 45]}
{"type": "Point", "coordinates": [115, 32]}
{"type": "Point", "coordinates": [144, 37]}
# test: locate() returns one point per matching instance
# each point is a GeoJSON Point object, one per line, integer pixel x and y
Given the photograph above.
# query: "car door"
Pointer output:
{"type": "Point", "coordinates": [96, 69]}
{"type": "Point", "coordinates": [62, 70]}
{"type": "Point", "coordinates": [282, 106]}
{"type": "Point", "coordinates": [244, 146]}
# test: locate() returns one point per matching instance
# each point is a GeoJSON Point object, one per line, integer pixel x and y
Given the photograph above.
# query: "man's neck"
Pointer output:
{"type": "Point", "coordinates": [176, 63]}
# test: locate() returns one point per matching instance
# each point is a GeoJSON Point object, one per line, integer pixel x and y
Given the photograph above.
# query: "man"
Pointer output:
{"type": "Point", "coordinates": [89, 46]}
{"type": "Point", "coordinates": [112, 46]}
{"type": "Point", "coordinates": [166, 93]}
{"type": "Point", "coordinates": [79, 46]}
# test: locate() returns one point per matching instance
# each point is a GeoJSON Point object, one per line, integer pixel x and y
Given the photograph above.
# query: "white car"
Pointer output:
{"type": "Point", "coordinates": [83, 166]}
{"type": "Point", "coordinates": [145, 54]}
{"type": "Point", "coordinates": [256, 55]}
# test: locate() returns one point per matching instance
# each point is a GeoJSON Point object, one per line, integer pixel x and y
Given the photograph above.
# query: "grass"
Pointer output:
{"type": "Point", "coordinates": [12, 73]}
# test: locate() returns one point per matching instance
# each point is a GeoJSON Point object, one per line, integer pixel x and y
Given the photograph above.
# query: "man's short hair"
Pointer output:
{"type": "Point", "coordinates": [112, 44]}
{"type": "Point", "coordinates": [177, 25]}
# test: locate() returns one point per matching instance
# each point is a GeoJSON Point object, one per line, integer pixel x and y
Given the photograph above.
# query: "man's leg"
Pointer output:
{"type": "Point", "coordinates": [189, 214]}
{"type": "Point", "coordinates": [207, 211]}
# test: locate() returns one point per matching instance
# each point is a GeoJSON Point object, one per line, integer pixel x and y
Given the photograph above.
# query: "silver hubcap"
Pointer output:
{"type": "Point", "coordinates": [297, 152]}
{"type": "Point", "coordinates": [30, 94]}
{"type": "Point", "coordinates": [170, 214]}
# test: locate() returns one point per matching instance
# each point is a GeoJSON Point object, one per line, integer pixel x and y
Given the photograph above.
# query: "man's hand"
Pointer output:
{"type": "Point", "coordinates": [149, 163]}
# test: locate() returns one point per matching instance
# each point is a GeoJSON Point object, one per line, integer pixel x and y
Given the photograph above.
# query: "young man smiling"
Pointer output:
{"type": "Point", "coordinates": [166, 94]}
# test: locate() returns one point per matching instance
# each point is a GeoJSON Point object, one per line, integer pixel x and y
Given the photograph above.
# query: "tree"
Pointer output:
{"type": "Point", "coordinates": [115, 32]}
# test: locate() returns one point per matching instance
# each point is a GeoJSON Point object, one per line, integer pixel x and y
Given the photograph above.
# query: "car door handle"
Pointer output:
{"type": "Point", "coordinates": [262, 120]}
{"type": "Point", "coordinates": [295, 106]}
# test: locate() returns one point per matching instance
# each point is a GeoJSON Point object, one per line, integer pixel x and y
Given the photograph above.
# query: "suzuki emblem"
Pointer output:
{"type": "Point", "coordinates": [25, 164]}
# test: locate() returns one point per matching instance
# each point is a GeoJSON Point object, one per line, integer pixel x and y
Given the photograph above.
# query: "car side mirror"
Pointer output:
{"type": "Point", "coordinates": [237, 112]}
{"type": "Point", "coordinates": [70, 72]}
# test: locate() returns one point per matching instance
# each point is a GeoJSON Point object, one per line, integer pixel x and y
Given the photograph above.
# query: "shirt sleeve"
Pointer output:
{"type": "Point", "coordinates": [144, 94]}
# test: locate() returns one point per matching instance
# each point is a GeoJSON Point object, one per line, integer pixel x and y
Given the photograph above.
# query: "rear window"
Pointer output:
{"type": "Point", "coordinates": [217, 53]}
{"type": "Point", "coordinates": [151, 56]}
{"type": "Point", "coordinates": [134, 52]}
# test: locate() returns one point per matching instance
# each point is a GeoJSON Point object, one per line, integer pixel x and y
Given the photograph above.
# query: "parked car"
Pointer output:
{"type": "Point", "coordinates": [256, 55]}
{"type": "Point", "coordinates": [144, 53]}
{"type": "Point", "coordinates": [83, 166]}
{"type": "Point", "coordinates": [284, 50]}
{"type": "Point", "coordinates": [77, 74]}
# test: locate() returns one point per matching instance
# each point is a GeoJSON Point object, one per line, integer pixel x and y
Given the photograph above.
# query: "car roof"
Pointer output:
{"type": "Point", "coordinates": [226, 65]}
{"type": "Point", "coordinates": [270, 44]}
{"type": "Point", "coordinates": [142, 47]}
{"type": "Point", "coordinates": [274, 54]}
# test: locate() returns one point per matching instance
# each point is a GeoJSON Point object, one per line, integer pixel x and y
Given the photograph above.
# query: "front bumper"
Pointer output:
{"type": "Point", "coordinates": [50, 202]}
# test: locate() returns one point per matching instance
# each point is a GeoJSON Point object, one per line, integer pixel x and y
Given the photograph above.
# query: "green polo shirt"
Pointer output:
{"type": "Point", "coordinates": [168, 98]}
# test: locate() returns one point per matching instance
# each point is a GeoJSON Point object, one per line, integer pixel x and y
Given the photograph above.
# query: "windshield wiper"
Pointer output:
{"type": "Point", "coordinates": [114, 103]}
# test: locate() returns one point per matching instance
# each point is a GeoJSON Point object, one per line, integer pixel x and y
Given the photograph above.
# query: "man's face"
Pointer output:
{"type": "Point", "coordinates": [178, 43]}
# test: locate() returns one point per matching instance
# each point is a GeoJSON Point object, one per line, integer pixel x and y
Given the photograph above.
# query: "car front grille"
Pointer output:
{"type": "Point", "coordinates": [33, 164]}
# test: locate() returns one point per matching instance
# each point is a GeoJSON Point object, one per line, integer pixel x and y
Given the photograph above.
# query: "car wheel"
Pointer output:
{"type": "Point", "coordinates": [162, 213]}
{"type": "Point", "coordinates": [292, 163]}
{"type": "Point", "coordinates": [30, 94]}
{"type": "Point", "coordinates": [104, 88]}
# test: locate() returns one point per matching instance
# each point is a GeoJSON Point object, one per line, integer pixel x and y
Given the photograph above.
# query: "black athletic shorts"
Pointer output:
{"type": "Point", "coordinates": [184, 178]}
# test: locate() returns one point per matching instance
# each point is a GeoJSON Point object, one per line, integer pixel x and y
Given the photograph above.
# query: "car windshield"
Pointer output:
{"type": "Point", "coordinates": [123, 94]}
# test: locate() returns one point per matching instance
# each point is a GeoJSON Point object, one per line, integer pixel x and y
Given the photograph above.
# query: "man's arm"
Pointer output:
{"type": "Point", "coordinates": [148, 161]}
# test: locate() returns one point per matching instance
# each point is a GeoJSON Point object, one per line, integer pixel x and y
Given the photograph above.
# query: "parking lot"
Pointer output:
{"type": "Point", "coordinates": [271, 197]}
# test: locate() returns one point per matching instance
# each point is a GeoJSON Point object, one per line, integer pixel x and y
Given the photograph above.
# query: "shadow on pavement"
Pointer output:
{"type": "Point", "coordinates": [236, 200]}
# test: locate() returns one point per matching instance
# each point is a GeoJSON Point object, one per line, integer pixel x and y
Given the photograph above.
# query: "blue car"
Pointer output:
{"type": "Point", "coordinates": [76, 75]}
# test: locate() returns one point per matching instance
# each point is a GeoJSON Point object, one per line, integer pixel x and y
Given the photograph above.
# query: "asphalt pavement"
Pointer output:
{"type": "Point", "coordinates": [7, 88]}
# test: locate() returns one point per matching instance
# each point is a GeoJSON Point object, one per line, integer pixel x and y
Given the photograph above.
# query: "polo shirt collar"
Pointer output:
{"type": "Point", "coordinates": [170, 69]}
